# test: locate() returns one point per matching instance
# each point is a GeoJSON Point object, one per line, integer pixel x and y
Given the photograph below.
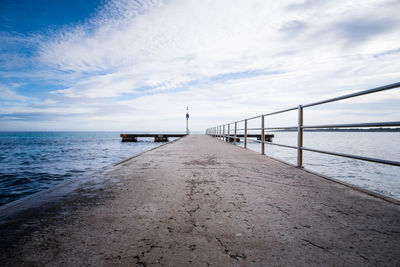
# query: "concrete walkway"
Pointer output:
{"type": "Point", "coordinates": [200, 202]}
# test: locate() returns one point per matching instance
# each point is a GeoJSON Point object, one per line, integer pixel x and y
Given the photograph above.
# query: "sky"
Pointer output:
{"type": "Point", "coordinates": [136, 65]}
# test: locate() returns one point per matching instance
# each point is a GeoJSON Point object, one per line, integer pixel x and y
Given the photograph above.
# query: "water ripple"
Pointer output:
{"type": "Point", "coordinates": [31, 162]}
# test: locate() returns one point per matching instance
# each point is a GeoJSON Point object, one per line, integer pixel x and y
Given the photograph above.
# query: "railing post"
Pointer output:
{"type": "Point", "coordinates": [223, 134]}
{"type": "Point", "coordinates": [235, 133]}
{"type": "Point", "coordinates": [220, 132]}
{"type": "Point", "coordinates": [262, 136]}
{"type": "Point", "coordinates": [300, 138]}
{"type": "Point", "coordinates": [229, 133]}
{"type": "Point", "coordinates": [245, 133]}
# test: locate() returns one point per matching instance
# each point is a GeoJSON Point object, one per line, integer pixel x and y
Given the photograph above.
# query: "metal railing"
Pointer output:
{"type": "Point", "coordinates": [224, 131]}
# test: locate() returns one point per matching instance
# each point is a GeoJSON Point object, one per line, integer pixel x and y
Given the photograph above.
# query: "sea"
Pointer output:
{"type": "Point", "coordinates": [33, 162]}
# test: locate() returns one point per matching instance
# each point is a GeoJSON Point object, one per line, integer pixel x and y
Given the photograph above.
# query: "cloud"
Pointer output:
{"type": "Point", "coordinates": [293, 28]}
{"type": "Point", "coordinates": [307, 4]}
{"type": "Point", "coordinates": [139, 63]}
{"type": "Point", "coordinates": [356, 31]}
{"type": "Point", "coordinates": [387, 52]}
{"type": "Point", "coordinates": [9, 93]}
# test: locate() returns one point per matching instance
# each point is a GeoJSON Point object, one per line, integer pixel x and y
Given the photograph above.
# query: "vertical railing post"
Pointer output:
{"type": "Point", "coordinates": [300, 138]}
{"type": "Point", "coordinates": [262, 136]}
{"type": "Point", "coordinates": [245, 133]}
{"type": "Point", "coordinates": [229, 133]}
{"type": "Point", "coordinates": [235, 133]}
{"type": "Point", "coordinates": [220, 132]}
{"type": "Point", "coordinates": [223, 132]}
{"type": "Point", "coordinates": [226, 127]}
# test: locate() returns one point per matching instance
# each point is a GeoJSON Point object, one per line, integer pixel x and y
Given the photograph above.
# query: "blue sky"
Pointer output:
{"type": "Point", "coordinates": [136, 65]}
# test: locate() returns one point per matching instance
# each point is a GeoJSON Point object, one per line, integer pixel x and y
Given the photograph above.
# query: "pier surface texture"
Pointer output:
{"type": "Point", "coordinates": [200, 201]}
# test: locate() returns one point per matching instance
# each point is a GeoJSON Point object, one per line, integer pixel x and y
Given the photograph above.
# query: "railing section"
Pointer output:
{"type": "Point", "coordinates": [219, 131]}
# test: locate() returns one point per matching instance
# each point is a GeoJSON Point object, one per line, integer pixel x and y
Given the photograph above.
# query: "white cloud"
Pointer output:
{"type": "Point", "coordinates": [7, 93]}
{"type": "Point", "coordinates": [142, 63]}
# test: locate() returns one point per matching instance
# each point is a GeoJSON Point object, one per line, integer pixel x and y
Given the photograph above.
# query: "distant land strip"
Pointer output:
{"type": "Point", "coordinates": [345, 130]}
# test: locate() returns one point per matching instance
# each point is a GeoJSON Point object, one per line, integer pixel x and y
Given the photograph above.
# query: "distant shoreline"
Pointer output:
{"type": "Point", "coordinates": [346, 130]}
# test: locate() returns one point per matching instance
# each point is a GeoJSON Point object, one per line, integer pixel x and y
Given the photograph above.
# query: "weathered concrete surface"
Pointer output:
{"type": "Point", "coordinates": [200, 201]}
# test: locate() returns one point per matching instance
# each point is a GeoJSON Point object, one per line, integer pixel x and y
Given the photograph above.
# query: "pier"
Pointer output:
{"type": "Point", "coordinates": [200, 201]}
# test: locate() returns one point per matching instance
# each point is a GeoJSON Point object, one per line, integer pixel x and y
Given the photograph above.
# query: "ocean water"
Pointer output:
{"type": "Point", "coordinates": [31, 162]}
{"type": "Point", "coordinates": [380, 178]}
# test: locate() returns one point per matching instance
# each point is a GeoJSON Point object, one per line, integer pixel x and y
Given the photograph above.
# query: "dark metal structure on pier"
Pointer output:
{"type": "Point", "coordinates": [157, 137]}
{"type": "Point", "coordinates": [232, 139]}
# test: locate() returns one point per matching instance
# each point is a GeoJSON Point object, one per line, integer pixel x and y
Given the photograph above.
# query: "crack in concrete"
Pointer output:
{"type": "Point", "coordinates": [235, 256]}
{"type": "Point", "coordinates": [315, 245]}
{"type": "Point", "coordinates": [278, 208]}
{"type": "Point", "coordinates": [363, 257]}
{"type": "Point", "coordinates": [139, 261]}
{"type": "Point", "coordinates": [377, 231]}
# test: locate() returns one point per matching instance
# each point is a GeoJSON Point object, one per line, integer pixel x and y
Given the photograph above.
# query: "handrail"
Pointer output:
{"type": "Point", "coordinates": [276, 144]}
{"type": "Point", "coordinates": [353, 125]}
{"type": "Point", "coordinates": [282, 128]}
{"type": "Point", "coordinates": [280, 111]}
{"type": "Point", "coordinates": [388, 162]}
{"type": "Point", "coordinates": [365, 92]}
{"type": "Point", "coordinates": [219, 131]}
{"type": "Point", "coordinates": [255, 117]}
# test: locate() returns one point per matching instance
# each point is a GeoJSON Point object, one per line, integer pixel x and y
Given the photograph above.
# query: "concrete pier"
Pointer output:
{"type": "Point", "coordinates": [200, 201]}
